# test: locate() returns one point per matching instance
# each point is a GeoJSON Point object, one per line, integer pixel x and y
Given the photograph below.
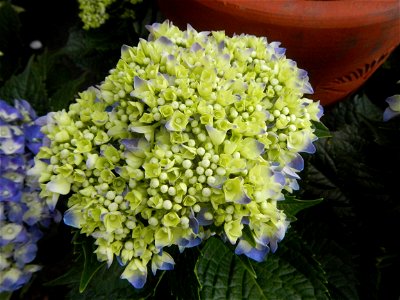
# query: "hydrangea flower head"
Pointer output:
{"type": "Point", "coordinates": [93, 13]}
{"type": "Point", "coordinates": [192, 134]}
{"type": "Point", "coordinates": [22, 211]}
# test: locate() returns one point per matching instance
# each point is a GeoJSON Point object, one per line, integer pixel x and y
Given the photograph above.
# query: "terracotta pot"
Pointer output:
{"type": "Point", "coordinates": [340, 43]}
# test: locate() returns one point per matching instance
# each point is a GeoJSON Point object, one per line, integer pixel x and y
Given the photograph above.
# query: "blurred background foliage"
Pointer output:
{"type": "Point", "coordinates": [346, 247]}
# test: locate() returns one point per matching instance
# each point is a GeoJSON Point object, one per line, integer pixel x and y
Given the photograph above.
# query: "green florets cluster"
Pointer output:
{"type": "Point", "coordinates": [189, 136]}
{"type": "Point", "coordinates": [93, 13]}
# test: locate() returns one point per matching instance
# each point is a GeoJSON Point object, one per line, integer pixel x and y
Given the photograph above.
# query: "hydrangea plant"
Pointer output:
{"type": "Point", "coordinates": [192, 134]}
{"type": "Point", "coordinates": [93, 13]}
{"type": "Point", "coordinates": [22, 212]}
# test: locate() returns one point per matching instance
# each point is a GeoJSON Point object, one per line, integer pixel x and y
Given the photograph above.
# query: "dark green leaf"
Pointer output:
{"type": "Point", "coordinates": [5, 295]}
{"type": "Point", "coordinates": [66, 93]}
{"type": "Point", "coordinates": [321, 131]}
{"type": "Point", "coordinates": [248, 236]}
{"type": "Point", "coordinates": [339, 269]}
{"type": "Point", "coordinates": [295, 250]}
{"type": "Point", "coordinates": [29, 85]}
{"type": "Point", "coordinates": [291, 206]}
{"type": "Point", "coordinates": [69, 278]}
{"type": "Point", "coordinates": [355, 172]}
{"type": "Point", "coordinates": [90, 265]}
{"type": "Point", "coordinates": [223, 275]}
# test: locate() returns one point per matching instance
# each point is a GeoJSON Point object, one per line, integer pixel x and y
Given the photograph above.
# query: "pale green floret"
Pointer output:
{"type": "Point", "coordinates": [183, 125]}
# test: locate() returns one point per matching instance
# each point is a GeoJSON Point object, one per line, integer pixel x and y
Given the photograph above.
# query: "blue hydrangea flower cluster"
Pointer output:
{"type": "Point", "coordinates": [22, 211]}
{"type": "Point", "coordinates": [192, 134]}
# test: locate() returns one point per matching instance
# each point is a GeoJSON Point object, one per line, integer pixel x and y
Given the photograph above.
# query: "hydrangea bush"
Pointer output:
{"type": "Point", "coordinates": [192, 134]}
{"type": "Point", "coordinates": [22, 212]}
{"type": "Point", "coordinates": [93, 13]}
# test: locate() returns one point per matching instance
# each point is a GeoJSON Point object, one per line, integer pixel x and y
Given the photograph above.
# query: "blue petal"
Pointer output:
{"type": "Point", "coordinates": [16, 211]}
{"type": "Point", "coordinates": [34, 147]}
{"type": "Point", "coordinates": [194, 224]}
{"type": "Point", "coordinates": [26, 253]}
{"type": "Point", "coordinates": [245, 248]}
{"type": "Point", "coordinates": [139, 83]}
{"type": "Point", "coordinates": [294, 184]}
{"type": "Point", "coordinates": [17, 237]}
{"type": "Point", "coordinates": [124, 48]}
{"type": "Point", "coordinates": [165, 41]}
{"type": "Point", "coordinates": [280, 51]}
{"type": "Point", "coordinates": [119, 260]}
{"type": "Point", "coordinates": [273, 244]}
{"type": "Point", "coordinates": [193, 242]}
{"type": "Point", "coordinates": [17, 162]}
{"type": "Point", "coordinates": [12, 282]}
{"type": "Point", "coordinates": [189, 243]}
{"type": "Point", "coordinates": [32, 132]}
{"type": "Point", "coordinates": [394, 102]}
{"type": "Point", "coordinates": [137, 279]}
{"type": "Point", "coordinates": [221, 46]}
{"type": "Point", "coordinates": [166, 266]}
{"type": "Point", "coordinates": [17, 176]}
{"type": "Point", "coordinates": [14, 145]}
{"type": "Point", "coordinates": [290, 172]}
{"type": "Point", "coordinates": [309, 148]}
{"type": "Point", "coordinates": [245, 220]}
{"type": "Point", "coordinates": [25, 108]}
{"type": "Point", "coordinates": [168, 126]}
{"type": "Point", "coordinates": [279, 178]}
{"type": "Point", "coordinates": [307, 88]}
{"type": "Point", "coordinates": [201, 219]}
{"type": "Point", "coordinates": [297, 163]}
{"type": "Point", "coordinates": [196, 47]}
{"type": "Point", "coordinates": [244, 199]}
{"type": "Point", "coordinates": [320, 112]}
{"type": "Point", "coordinates": [9, 113]}
{"type": "Point", "coordinates": [35, 234]}
{"type": "Point", "coordinates": [9, 190]}
{"type": "Point", "coordinates": [302, 74]}
{"type": "Point", "coordinates": [72, 218]}
{"type": "Point", "coordinates": [389, 114]}
{"type": "Point", "coordinates": [44, 120]}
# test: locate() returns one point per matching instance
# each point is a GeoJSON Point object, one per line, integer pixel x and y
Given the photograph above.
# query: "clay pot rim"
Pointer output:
{"type": "Point", "coordinates": [323, 14]}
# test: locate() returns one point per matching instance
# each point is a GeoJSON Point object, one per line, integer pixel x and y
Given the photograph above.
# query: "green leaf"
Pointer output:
{"type": "Point", "coordinates": [95, 52]}
{"type": "Point", "coordinates": [66, 93]}
{"type": "Point", "coordinates": [5, 295]}
{"type": "Point", "coordinates": [321, 131]}
{"type": "Point", "coordinates": [90, 265]}
{"type": "Point", "coordinates": [71, 277]}
{"type": "Point", "coordinates": [355, 172]}
{"type": "Point", "coordinates": [29, 85]}
{"type": "Point", "coordinates": [295, 250]}
{"type": "Point", "coordinates": [339, 268]}
{"type": "Point", "coordinates": [291, 206]}
{"type": "Point", "coordinates": [222, 275]}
